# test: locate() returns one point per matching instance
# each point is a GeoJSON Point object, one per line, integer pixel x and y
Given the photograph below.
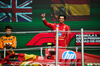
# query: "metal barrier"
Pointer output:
{"type": "Point", "coordinates": [41, 48]}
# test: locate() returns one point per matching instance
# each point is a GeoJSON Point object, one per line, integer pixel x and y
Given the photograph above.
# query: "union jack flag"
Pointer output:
{"type": "Point", "coordinates": [15, 11]}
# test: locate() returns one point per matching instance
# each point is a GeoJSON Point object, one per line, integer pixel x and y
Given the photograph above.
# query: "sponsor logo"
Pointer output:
{"type": "Point", "coordinates": [57, 25]}
{"type": "Point", "coordinates": [40, 58]}
{"type": "Point", "coordinates": [5, 40]}
{"type": "Point", "coordinates": [10, 39]}
{"type": "Point", "coordinates": [69, 55]}
{"type": "Point", "coordinates": [64, 26]}
{"type": "Point", "coordinates": [59, 34]}
{"type": "Point", "coordinates": [51, 49]}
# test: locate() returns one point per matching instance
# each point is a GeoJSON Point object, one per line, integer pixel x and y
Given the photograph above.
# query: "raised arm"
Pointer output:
{"type": "Point", "coordinates": [45, 22]}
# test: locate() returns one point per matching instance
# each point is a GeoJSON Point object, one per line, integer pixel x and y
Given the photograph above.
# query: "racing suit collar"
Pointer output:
{"type": "Point", "coordinates": [8, 35]}
{"type": "Point", "coordinates": [61, 23]}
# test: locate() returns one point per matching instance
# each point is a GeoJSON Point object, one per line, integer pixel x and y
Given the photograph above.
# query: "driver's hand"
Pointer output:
{"type": "Point", "coordinates": [43, 15]}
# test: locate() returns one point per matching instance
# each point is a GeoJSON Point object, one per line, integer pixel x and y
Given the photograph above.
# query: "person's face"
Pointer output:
{"type": "Point", "coordinates": [8, 31]}
{"type": "Point", "coordinates": [61, 19]}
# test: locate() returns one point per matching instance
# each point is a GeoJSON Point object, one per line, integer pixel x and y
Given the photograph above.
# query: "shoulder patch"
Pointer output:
{"type": "Point", "coordinates": [1, 38]}
{"type": "Point", "coordinates": [13, 37]}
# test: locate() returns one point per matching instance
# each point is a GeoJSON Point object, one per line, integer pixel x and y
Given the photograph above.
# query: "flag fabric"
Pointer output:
{"type": "Point", "coordinates": [24, 57]}
{"type": "Point", "coordinates": [74, 10]}
{"type": "Point", "coordinates": [15, 11]}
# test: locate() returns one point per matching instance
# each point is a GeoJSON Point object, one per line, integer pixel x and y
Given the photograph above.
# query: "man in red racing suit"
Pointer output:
{"type": "Point", "coordinates": [64, 37]}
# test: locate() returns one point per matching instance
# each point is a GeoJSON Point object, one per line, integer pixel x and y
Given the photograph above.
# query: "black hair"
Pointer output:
{"type": "Point", "coordinates": [63, 16]}
{"type": "Point", "coordinates": [8, 27]}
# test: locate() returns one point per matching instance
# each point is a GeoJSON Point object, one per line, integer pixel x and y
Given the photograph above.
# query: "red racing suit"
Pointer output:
{"type": "Point", "coordinates": [64, 37]}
